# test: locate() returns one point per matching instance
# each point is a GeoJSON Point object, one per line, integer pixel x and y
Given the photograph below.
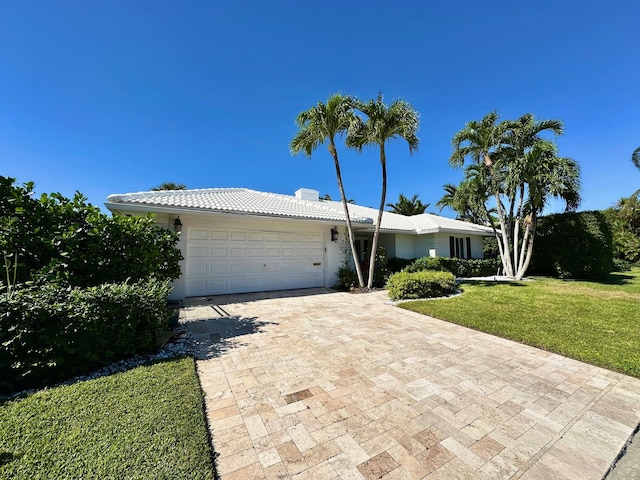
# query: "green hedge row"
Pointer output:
{"type": "Point", "coordinates": [49, 333]}
{"type": "Point", "coordinates": [573, 245]}
{"type": "Point", "coordinates": [460, 267]}
{"type": "Point", "coordinates": [424, 284]}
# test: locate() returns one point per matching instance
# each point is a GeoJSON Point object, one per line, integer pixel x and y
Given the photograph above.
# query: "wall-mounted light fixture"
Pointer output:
{"type": "Point", "coordinates": [334, 234]}
{"type": "Point", "coordinates": [177, 225]}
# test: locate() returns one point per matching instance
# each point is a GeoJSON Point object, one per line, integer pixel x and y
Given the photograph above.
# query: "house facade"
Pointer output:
{"type": "Point", "coordinates": [237, 240]}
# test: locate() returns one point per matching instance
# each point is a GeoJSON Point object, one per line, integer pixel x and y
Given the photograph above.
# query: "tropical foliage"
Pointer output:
{"type": "Point", "coordinates": [625, 223]}
{"type": "Point", "coordinates": [516, 171]}
{"type": "Point", "coordinates": [320, 124]}
{"type": "Point", "coordinates": [408, 206]}
{"type": "Point", "coordinates": [169, 186]}
{"type": "Point", "coordinates": [635, 159]}
{"type": "Point", "coordinates": [384, 123]}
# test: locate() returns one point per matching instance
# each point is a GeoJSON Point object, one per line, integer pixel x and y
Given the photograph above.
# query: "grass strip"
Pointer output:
{"type": "Point", "coordinates": [144, 423]}
{"type": "Point", "coordinates": [595, 322]}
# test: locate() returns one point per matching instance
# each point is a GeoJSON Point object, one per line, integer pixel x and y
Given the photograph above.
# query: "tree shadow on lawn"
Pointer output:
{"type": "Point", "coordinates": [616, 279]}
{"type": "Point", "coordinates": [212, 337]}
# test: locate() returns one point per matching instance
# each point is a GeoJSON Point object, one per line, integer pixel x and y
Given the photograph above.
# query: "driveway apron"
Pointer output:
{"type": "Point", "coordinates": [314, 384]}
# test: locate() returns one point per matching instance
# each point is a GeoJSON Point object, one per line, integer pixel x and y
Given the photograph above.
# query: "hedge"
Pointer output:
{"type": "Point", "coordinates": [460, 267]}
{"type": "Point", "coordinates": [49, 333]}
{"type": "Point", "coordinates": [573, 245]}
{"type": "Point", "coordinates": [424, 284]}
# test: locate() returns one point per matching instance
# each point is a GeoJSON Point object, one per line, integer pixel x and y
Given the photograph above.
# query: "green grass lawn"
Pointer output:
{"type": "Point", "coordinates": [145, 423]}
{"type": "Point", "coordinates": [596, 322]}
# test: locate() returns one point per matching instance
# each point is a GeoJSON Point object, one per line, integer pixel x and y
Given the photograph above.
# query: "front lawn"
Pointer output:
{"type": "Point", "coordinates": [145, 423]}
{"type": "Point", "coordinates": [598, 323]}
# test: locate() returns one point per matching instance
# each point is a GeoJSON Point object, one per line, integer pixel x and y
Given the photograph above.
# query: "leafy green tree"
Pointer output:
{"type": "Point", "coordinates": [320, 124]}
{"type": "Point", "coordinates": [408, 207]}
{"type": "Point", "coordinates": [384, 122]}
{"type": "Point", "coordinates": [518, 170]}
{"type": "Point", "coordinates": [58, 239]}
{"type": "Point", "coordinates": [169, 186]}
{"type": "Point", "coordinates": [467, 200]}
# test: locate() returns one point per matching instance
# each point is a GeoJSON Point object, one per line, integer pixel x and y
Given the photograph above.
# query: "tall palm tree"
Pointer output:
{"type": "Point", "coordinates": [384, 123]}
{"type": "Point", "coordinates": [320, 124]}
{"type": "Point", "coordinates": [169, 186]}
{"type": "Point", "coordinates": [520, 170]}
{"type": "Point", "coordinates": [408, 207]}
{"type": "Point", "coordinates": [635, 158]}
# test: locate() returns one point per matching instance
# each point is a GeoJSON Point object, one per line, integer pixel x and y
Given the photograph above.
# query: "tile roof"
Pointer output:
{"type": "Point", "coordinates": [251, 202]}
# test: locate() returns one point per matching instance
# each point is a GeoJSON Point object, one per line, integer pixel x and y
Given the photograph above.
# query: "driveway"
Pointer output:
{"type": "Point", "coordinates": [314, 384]}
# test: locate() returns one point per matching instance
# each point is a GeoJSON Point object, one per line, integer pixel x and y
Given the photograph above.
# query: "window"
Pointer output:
{"type": "Point", "coordinates": [457, 247]}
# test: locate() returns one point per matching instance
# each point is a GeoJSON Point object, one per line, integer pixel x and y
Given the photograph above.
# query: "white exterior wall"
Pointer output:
{"type": "Point", "coordinates": [387, 240]}
{"type": "Point", "coordinates": [405, 246]}
{"type": "Point", "coordinates": [424, 243]}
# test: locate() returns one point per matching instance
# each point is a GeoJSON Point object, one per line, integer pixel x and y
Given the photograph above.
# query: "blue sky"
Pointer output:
{"type": "Point", "coordinates": [119, 96]}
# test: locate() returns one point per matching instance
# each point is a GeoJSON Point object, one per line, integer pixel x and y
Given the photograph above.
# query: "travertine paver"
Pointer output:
{"type": "Point", "coordinates": [315, 384]}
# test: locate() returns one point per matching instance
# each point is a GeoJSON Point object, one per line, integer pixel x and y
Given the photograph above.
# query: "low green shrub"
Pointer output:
{"type": "Point", "coordinates": [460, 267]}
{"type": "Point", "coordinates": [424, 284]}
{"type": "Point", "coordinates": [347, 279]}
{"type": "Point", "coordinates": [621, 265]}
{"type": "Point", "coordinates": [49, 333]}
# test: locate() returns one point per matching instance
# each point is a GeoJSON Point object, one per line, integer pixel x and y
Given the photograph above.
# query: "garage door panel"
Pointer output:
{"type": "Point", "coordinates": [198, 234]}
{"type": "Point", "coordinates": [238, 268]}
{"type": "Point", "coordinates": [218, 252]}
{"type": "Point", "coordinates": [218, 268]}
{"type": "Point", "coordinates": [197, 270]}
{"type": "Point", "coordinates": [219, 235]}
{"type": "Point", "coordinates": [235, 261]}
{"type": "Point", "coordinates": [197, 252]}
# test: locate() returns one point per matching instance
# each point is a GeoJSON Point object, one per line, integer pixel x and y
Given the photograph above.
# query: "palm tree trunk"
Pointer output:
{"type": "Point", "coordinates": [507, 261]}
{"type": "Point", "coordinates": [352, 242]}
{"type": "Point", "coordinates": [516, 230]}
{"type": "Point", "coordinates": [532, 236]}
{"type": "Point", "coordinates": [376, 232]}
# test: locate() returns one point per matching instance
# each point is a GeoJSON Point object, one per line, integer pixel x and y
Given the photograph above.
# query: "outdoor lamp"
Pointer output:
{"type": "Point", "coordinates": [177, 225]}
{"type": "Point", "coordinates": [334, 234]}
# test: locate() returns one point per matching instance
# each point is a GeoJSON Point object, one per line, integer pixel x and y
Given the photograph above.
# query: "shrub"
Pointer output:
{"type": "Point", "coordinates": [396, 264]}
{"type": "Point", "coordinates": [424, 284]}
{"type": "Point", "coordinates": [49, 333]}
{"type": "Point", "coordinates": [380, 270]}
{"type": "Point", "coordinates": [70, 241]}
{"type": "Point", "coordinates": [460, 267]}
{"type": "Point", "coordinates": [621, 265]}
{"type": "Point", "coordinates": [573, 245]}
{"type": "Point", "coordinates": [347, 279]}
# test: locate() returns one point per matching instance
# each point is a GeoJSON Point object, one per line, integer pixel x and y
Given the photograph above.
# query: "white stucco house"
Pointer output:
{"type": "Point", "coordinates": [236, 240]}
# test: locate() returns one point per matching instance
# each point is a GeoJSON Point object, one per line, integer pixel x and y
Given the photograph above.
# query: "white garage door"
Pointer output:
{"type": "Point", "coordinates": [237, 260]}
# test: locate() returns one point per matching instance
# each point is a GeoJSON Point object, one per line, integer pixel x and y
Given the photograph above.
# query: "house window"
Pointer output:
{"type": "Point", "coordinates": [457, 247]}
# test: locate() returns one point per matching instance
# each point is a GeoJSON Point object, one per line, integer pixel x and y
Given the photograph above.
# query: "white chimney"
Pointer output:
{"type": "Point", "coordinates": [308, 194]}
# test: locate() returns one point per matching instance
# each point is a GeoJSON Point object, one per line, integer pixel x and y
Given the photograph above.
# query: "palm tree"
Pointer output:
{"type": "Point", "coordinates": [468, 200]}
{"type": "Point", "coordinates": [384, 123]}
{"type": "Point", "coordinates": [321, 124]}
{"type": "Point", "coordinates": [169, 186]}
{"type": "Point", "coordinates": [635, 158]}
{"type": "Point", "coordinates": [408, 207]}
{"type": "Point", "coordinates": [520, 170]}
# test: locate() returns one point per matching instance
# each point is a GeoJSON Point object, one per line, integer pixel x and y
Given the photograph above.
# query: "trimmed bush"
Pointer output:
{"type": "Point", "coordinates": [424, 284]}
{"type": "Point", "coordinates": [573, 245]}
{"type": "Point", "coordinates": [49, 333]}
{"type": "Point", "coordinates": [347, 279]}
{"type": "Point", "coordinates": [396, 264]}
{"type": "Point", "coordinates": [460, 267]}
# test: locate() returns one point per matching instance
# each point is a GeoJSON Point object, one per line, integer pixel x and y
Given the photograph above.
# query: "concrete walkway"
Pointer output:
{"type": "Point", "coordinates": [314, 384]}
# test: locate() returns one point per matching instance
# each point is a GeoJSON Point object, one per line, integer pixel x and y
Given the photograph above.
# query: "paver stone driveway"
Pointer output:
{"type": "Point", "coordinates": [314, 384]}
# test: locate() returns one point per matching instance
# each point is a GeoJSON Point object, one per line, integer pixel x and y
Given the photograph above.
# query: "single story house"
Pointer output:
{"type": "Point", "coordinates": [236, 240]}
